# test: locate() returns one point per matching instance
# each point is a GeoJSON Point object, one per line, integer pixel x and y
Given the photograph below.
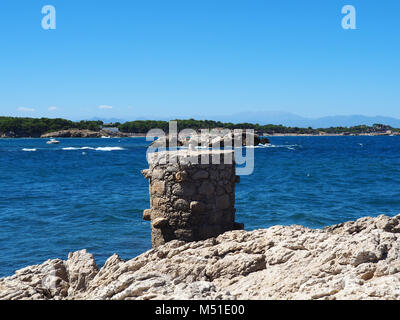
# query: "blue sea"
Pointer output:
{"type": "Point", "coordinates": [89, 193]}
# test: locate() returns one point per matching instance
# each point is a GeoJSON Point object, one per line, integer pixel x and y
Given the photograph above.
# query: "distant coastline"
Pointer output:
{"type": "Point", "coordinates": [12, 127]}
{"type": "Point", "coordinates": [333, 134]}
{"type": "Point", "coordinates": [144, 135]}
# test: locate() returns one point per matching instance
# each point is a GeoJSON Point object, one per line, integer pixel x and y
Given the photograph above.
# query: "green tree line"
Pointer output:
{"type": "Point", "coordinates": [35, 127]}
{"type": "Point", "coordinates": [143, 126]}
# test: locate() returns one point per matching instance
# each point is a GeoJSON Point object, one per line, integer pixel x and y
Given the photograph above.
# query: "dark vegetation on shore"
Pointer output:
{"type": "Point", "coordinates": [35, 127]}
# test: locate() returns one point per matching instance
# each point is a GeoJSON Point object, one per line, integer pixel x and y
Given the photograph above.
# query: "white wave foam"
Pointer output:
{"type": "Point", "coordinates": [74, 148]}
{"type": "Point", "coordinates": [268, 145]}
{"type": "Point", "coordinates": [260, 145]}
{"type": "Point", "coordinates": [29, 150]}
{"type": "Point", "coordinates": [70, 148]}
{"type": "Point", "coordinates": [109, 148]}
{"type": "Point", "coordinates": [96, 149]}
{"type": "Point", "coordinates": [287, 146]}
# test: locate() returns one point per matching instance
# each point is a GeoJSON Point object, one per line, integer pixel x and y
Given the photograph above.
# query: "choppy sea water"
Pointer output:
{"type": "Point", "coordinates": [89, 193]}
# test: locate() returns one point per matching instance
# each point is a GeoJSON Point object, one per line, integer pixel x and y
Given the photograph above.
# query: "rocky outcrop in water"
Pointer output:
{"type": "Point", "coordinates": [214, 139]}
{"type": "Point", "coordinates": [8, 134]}
{"type": "Point", "coordinates": [353, 260]}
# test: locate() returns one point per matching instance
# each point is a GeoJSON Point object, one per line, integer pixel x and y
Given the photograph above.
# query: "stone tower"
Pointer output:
{"type": "Point", "coordinates": [191, 198]}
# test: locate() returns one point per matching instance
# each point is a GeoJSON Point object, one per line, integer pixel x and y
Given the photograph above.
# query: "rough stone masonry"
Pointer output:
{"type": "Point", "coordinates": [192, 194]}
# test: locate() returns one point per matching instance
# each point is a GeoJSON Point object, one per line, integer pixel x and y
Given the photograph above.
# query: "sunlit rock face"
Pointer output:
{"type": "Point", "coordinates": [353, 260]}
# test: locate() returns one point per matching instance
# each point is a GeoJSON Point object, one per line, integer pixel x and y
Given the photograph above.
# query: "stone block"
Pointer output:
{"type": "Point", "coordinates": [158, 187]}
{"type": "Point", "coordinates": [159, 223]}
{"type": "Point", "coordinates": [147, 215]}
{"type": "Point", "coordinates": [206, 188]}
{"type": "Point", "coordinates": [181, 176]}
{"type": "Point", "coordinates": [223, 202]}
{"type": "Point", "coordinates": [181, 205]}
{"type": "Point", "coordinates": [200, 174]}
{"type": "Point", "coordinates": [197, 207]}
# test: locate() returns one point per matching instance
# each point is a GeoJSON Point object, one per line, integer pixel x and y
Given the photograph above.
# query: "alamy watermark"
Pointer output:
{"type": "Point", "coordinates": [49, 20]}
{"type": "Point", "coordinates": [199, 147]}
{"type": "Point", "coordinates": [349, 20]}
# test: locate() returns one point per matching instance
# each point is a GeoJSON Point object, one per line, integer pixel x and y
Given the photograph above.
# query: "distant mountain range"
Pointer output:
{"type": "Point", "coordinates": [294, 120]}
{"type": "Point", "coordinates": [108, 120]}
{"type": "Point", "coordinates": [277, 117]}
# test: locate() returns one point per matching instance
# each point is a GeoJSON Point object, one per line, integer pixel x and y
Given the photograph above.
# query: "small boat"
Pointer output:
{"type": "Point", "coordinates": [53, 141]}
{"type": "Point", "coordinates": [105, 137]}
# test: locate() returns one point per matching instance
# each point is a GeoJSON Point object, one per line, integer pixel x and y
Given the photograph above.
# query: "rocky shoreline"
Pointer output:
{"type": "Point", "coordinates": [73, 133]}
{"type": "Point", "coordinates": [76, 133]}
{"type": "Point", "coordinates": [352, 260]}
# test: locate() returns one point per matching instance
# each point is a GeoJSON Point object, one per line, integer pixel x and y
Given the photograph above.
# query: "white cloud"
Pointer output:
{"type": "Point", "coordinates": [52, 108]}
{"type": "Point", "coordinates": [105, 107]}
{"type": "Point", "coordinates": [23, 109]}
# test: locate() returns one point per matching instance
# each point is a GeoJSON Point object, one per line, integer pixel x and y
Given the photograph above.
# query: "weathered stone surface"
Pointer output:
{"type": "Point", "coordinates": [353, 260]}
{"type": "Point", "coordinates": [157, 174]}
{"type": "Point", "coordinates": [206, 188]}
{"type": "Point", "coordinates": [158, 223]}
{"type": "Point", "coordinates": [158, 187]}
{"type": "Point", "coordinates": [192, 196]}
{"type": "Point", "coordinates": [197, 207]}
{"type": "Point", "coordinates": [181, 176]}
{"type": "Point", "coordinates": [223, 202]}
{"type": "Point", "coordinates": [178, 189]}
{"type": "Point", "coordinates": [181, 205]}
{"type": "Point", "coordinates": [157, 202]}
{"type": "Point", "coordinates": [201, 174]}
{"type": "Point", "coordinates": [54, 279]}
{"type": "Point", "coordinates": [147, 215]}
{"type": "Point", "coordinates": [146, 173]}
{"type": "Point", "coordinates": [81, 268]}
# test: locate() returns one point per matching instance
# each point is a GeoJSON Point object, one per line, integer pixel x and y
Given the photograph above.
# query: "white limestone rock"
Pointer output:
{"type": "Point", "coordinates": [353, 260]}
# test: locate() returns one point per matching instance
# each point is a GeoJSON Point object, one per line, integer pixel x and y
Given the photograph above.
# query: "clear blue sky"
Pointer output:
{"type": "Point", "coordinates": [198, 57]}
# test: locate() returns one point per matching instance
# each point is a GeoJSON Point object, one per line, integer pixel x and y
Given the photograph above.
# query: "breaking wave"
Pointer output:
{"type": "Point", "coordinates": [95, 149]}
